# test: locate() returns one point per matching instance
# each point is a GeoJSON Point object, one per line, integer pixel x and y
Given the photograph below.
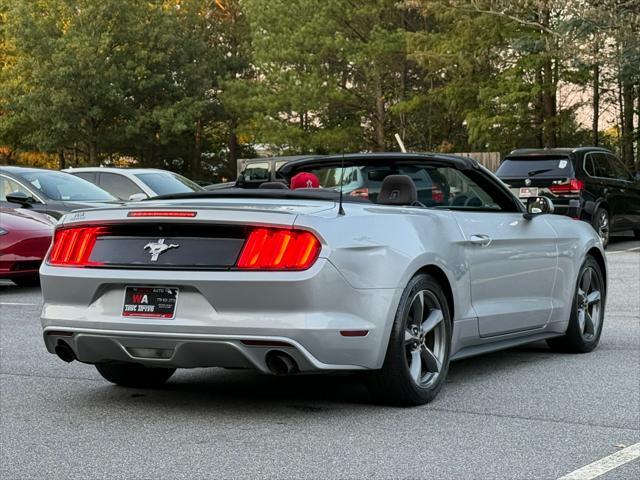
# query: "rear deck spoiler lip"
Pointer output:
{"type": "Point", "coordinates": [256, 194]}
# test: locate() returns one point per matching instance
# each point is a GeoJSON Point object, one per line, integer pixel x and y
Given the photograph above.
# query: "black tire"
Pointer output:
{"type": "Point", "coordinates": [134, 375]}
{"type": "Point", "coordinates": [580, 337]}
{"type": "Point", "coordinates": [394, 384]}
{"type": "Point", "coordinates": [33, 281]}
{"type": "Point", "coordinates": [602, 225]}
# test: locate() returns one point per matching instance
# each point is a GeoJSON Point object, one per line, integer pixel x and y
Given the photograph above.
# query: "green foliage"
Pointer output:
{"type": "Point", "coordinates": [194, 84]}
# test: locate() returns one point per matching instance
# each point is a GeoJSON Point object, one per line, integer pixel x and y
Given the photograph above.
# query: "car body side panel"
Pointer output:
{"type": "Point", "coordinates": [575, 240]}
{"type": "Point", "coordinates": [378, 247]}
{"type": "Point", "coordinates": [512, 275]}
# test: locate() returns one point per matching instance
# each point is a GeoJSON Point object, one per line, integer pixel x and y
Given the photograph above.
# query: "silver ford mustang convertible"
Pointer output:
{"type": "Point", "coordinates": [397, 265]}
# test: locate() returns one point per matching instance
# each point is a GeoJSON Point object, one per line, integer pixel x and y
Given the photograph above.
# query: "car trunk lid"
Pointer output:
{"type": "Point", "coordinates": [181, 234]}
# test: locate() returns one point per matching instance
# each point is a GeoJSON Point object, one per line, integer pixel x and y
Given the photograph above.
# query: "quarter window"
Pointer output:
{"type": "Point", "coordinates": [588, 166]}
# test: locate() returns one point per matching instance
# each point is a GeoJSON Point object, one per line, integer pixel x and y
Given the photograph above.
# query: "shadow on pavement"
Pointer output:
{"type": "Point", "coordinates": [248, 392]}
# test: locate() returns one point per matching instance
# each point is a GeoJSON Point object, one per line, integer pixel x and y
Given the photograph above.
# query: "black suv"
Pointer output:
{"type": "Point", "coordinates": [603, 191]}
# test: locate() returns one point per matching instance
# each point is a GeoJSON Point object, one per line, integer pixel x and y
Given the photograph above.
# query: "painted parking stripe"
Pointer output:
{"type": "Point", "coordinates": [21, 304]}
{"type": "Point", "coordinates": [623, 251]}
{"type": "Point", "coordinates": [605, 464]}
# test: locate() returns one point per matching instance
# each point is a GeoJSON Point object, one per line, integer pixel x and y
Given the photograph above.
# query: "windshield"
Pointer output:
{"type": "Point", "coordinates": [65, 187]}
{"type": "Point", "coordinates": [439, 187]}
{"type": "Point", "coordinates": [165, 183]}
{"type": "Point", "coordinates": [524, 167]}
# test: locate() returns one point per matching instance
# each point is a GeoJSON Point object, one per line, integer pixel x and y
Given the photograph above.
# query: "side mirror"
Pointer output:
{"type": "Point", "coordinates": [20, 198]}
{"type": "Point", "coordinates": [136, 197]}
{"type": "Point", "coordinates": [538, 206]}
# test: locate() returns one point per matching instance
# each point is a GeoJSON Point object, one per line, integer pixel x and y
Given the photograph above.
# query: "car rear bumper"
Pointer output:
{"type": "Point", "coordinates": [219, 318]}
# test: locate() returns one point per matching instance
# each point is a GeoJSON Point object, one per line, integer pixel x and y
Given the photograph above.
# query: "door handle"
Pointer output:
{"type": "Point", "coordinates": [480, 239]}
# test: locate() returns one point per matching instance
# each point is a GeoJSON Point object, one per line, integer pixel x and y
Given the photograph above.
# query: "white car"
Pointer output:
{"type": "Point", "coordinates": [136, 183]}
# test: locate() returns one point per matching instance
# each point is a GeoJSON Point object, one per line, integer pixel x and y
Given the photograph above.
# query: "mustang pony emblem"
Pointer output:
{"type": "Point", "coordinates": [156, 248]}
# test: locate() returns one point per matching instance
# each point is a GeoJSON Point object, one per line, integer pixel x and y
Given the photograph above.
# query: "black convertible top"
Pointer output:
{"type": "Point", "coordinates": [460, 163]}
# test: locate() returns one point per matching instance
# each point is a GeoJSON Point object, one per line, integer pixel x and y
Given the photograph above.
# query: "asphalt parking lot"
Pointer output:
{"type": "Point", "coordinates": [524, 413]}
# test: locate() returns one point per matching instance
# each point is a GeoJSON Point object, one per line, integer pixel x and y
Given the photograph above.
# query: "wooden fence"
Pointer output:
{"type": "Point", "coordinates": [491, 160]}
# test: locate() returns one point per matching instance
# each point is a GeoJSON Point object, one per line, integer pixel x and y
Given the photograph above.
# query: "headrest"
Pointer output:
{"type": "Point", "coordinates": [398, 190]}
{"type": "Point", "coordinates": [274, 186]}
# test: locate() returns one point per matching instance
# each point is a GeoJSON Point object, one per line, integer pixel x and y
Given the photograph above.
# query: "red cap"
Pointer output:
{"type": "Point", "coordinates": [304, 180]}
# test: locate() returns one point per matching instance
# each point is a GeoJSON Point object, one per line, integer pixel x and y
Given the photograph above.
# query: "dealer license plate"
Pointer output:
{"type": "Point", "coordinates": [150, 302]}
{"type": "Point", "coordinates": [526, 192]}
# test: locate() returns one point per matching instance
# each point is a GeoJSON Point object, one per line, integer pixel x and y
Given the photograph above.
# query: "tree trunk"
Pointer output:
{"type": "Point", "coordinates": [627, 118]}
{"type": "Point", "coordinates": [378, 117]}
{"type": "Point", "coordinates": [61, 162]}
{"type": "Point", "coordinates": [637, 166]}
{"type": "Point", "coordinates": [549, 107]}
{"type": "Point", "coordinates": [194, 168]}
{"type": "Point", "coordinates": [233, 151]}
{"type": "Point", "coordinates": [539, 112]}
{"type": "Point", "coordinates": [93, 154]}
{"type": "Point", "coordinates": [596, 104]}
{"type": "Point", "coordinates": [550, 136]}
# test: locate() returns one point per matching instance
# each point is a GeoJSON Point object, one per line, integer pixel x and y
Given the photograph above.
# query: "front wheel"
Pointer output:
{"type": "Point", "coordinates": [134, 375]}
{"type": "Point", "coordinates": [587, 313]}
{"type": "Point", "coordinates": [417, 358]}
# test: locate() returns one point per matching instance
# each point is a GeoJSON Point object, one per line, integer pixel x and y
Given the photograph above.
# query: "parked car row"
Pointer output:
{"type": "Point", "coordinates": [33, 199]}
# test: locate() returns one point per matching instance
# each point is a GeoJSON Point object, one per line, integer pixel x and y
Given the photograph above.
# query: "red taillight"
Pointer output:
{"type": "Point", "coordinates": [162, 213]}
{"type": "Point", "coordinates": [279, 249]}
{"type": "Point", "coordinates": [72, 246]}
{"type": "Point", "coordinates": [574, 186]}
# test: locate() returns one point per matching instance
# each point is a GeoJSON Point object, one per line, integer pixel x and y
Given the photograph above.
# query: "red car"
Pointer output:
{"type": "Point", "coordinates": [25, 237]}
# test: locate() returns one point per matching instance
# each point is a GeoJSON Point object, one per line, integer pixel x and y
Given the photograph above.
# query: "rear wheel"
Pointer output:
{"type": "Point", "coordinates": [587, 314]}
{"type": "Point", "coordinates": [32, 281]}
{"type": "Point", "coordinates": [417, 358]}
{"type": "Point", "coordinates": [600, 222]}
{"type": "Point", "coordinates": [134, 375]}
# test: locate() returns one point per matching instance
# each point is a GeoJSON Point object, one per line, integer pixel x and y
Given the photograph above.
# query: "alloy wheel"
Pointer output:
{"type": "Point", "coordinates": [424, 338]}
{"type": "Point", "coordinates": [603, 226]}
{"type": "Point", "coordinates": [589, 299]}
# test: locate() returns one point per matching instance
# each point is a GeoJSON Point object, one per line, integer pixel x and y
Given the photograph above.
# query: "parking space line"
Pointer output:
{"type": "Point", "coordinates": [20, 304]}
{"type": "Point", "coordinates": [605, 464]}
{"type": "Point", "coordinates": [623, 251]}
